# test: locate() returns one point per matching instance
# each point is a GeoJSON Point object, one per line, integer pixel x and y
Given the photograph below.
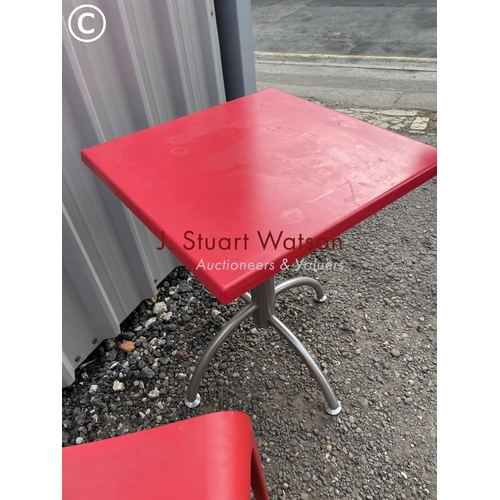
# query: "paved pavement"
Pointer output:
{"type": "Point", "coordinates": [352, 85]}
{"type": "Point", "coordinates": [419, 124]}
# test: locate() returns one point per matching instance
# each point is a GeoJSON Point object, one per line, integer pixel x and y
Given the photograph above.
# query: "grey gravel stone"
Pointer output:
{"type": "Point", "coordinates": [109, 344]}
{"type": "Point", "coordinates": [159, 307]}
{"type": "Point", "coordinates": [147, 372]}
{"type": "Point", "coordinates": [154, 394]}
{"type": "Point", "coordinates": [149, 322]}
{"type": "Point", "coordinates": [118, 386]}
{"type": "Point", "coordinates": [364, 403]}
{"type": "Point", "coordinates": [184, 288]}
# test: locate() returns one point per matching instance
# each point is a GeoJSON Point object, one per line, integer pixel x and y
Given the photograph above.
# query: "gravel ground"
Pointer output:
{"type": "Point", "coordinates": [375, 338]}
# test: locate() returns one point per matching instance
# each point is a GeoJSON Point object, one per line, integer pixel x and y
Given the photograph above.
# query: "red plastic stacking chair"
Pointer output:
{"type": "Point", "coordinates": [212, 457]}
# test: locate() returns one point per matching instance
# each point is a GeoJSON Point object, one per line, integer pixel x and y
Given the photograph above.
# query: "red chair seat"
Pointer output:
{"type": "Point", "coordinates": [212, 456]}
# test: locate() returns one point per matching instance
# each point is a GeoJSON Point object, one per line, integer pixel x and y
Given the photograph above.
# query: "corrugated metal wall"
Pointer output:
{"type": "Point", "coordinates": [156, 60]}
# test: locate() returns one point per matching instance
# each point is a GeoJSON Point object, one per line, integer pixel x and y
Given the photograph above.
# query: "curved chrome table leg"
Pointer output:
{"type": "Point", "coordinates": [302, 281]}
{"type": "Point", "coordinates": [193, 398]}
{"type": "Point", "coordinates": [332, 405]}
{"type": "Point", "coordinates": [260, 303]}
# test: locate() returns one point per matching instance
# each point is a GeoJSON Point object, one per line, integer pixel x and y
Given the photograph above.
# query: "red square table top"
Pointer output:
{"type": "Point", "coordinates": [235, 189]}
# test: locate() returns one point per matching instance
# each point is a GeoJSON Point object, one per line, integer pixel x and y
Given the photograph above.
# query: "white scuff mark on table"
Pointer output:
{"type": "Point", "coordinates": [307, 133]}
{"type": "Point", "coordinates": [321, 196]}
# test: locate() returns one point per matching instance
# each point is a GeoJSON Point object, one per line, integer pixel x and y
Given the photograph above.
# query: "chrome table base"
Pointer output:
{"type": "Point", "coordinates": [261, 304]}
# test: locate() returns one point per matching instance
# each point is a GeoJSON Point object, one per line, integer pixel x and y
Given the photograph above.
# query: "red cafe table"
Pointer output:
{"type": "Point", "coordinates": [239, 191]}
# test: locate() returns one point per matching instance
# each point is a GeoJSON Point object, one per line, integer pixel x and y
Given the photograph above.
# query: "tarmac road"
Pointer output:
{"type": "Point", "coordinates": [379, 54]}
{"type": "Point", "coordinates": [349, 27]}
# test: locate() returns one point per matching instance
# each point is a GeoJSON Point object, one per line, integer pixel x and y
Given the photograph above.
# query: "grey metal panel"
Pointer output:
{"type": "Point", "coordinates": [157, 60]}
{"type": "Point", "coordinates": [234, 22]}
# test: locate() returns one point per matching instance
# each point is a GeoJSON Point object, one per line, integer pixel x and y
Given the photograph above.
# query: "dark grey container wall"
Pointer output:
{"type": "Point", "coordinates": [156, 61]}
{"type": "Point", "coordinates": [234, 22]}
